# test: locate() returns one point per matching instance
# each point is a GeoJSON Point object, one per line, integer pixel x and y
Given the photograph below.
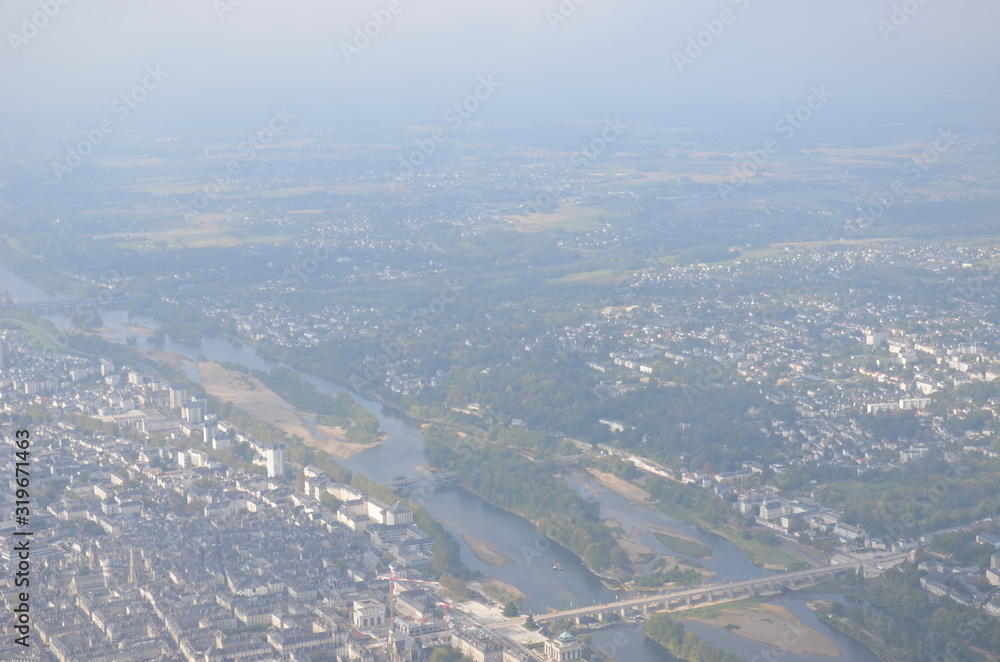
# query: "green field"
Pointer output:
{"type": "Point", "coordinates": [709, 612]}
{"type": "Point", "coordinates": [36, 339]}
{"type": "Point", "coordinates": [684, 546]}
{"type": "Point", "coordinates": [760, 554]}
{"type": "Point", "coordinates": [598, 275]}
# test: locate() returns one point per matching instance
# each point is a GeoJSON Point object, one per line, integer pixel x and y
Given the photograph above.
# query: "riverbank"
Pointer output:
{"type": "Point", "coordinates": [846, 627]}
{"type": "Point", "coordinates": [175, 361]}
{"type": "Point", "coordinates": [275, 410]}
{"type": "Point", "coordinates": [763, 556]}
{"type": "Point", "coordinates": [622, 487]}
{"type": "Point", "coordinates": [37, 336]}
{"type": "Point", "coordinates": [263, 404]}
{"type": "Point", "coordinates": [231, 350]}
{"type": "Point", "coordinates": [640, 555]}
{"type": "Point", "coordinates": [680, 543]}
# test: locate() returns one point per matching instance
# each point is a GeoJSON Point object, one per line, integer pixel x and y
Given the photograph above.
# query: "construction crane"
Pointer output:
{"type": "Point", "coordinates": [392, 578]}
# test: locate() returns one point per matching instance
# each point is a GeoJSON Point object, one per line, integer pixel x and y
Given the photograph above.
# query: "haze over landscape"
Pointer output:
{"type": "Point", "coordinates": [227, 59]}
{"type": "Point", "coordinates": [505, 331]}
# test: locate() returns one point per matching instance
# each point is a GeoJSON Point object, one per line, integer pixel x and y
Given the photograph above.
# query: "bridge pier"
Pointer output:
{"type": "Point", "coordinates": [119, 302]}
{"type": "Point", "coordinates": [711, 593]}
{"type": "Point", "coordinates": [434, 480]}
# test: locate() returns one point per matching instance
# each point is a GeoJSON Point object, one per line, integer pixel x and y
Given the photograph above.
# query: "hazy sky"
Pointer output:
{"type": "Point", "coordinates": [605, 57]}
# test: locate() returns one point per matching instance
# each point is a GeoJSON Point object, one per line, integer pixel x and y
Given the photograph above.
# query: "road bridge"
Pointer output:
{"type": "Point", "coordinates": [437, 480]}
{"type": "Point", "coordinates": [68, 305]}
{"type": "Point", "coordinates": [706, 594]}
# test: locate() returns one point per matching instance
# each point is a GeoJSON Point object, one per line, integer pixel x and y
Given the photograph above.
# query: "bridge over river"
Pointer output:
{"type": "Point", "coordinates": [119, 302]}
{"type": "Point", "coordinates": [429, 479]}
{"type": "Point", "coordinates": [706, 594]}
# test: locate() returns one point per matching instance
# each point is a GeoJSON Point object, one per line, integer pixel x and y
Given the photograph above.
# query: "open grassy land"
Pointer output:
{"type": "Point", "coordinates": [683, 545]}
{"type": "Point", "coordinates": [764, 556]}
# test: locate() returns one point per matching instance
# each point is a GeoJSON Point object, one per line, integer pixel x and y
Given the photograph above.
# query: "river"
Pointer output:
{"type": "Point", "coordinates": [531, 556]}
{"type": "Point", "coordinates": [22, 291]}
{"type": "Point", "coordinates": [729, 563]}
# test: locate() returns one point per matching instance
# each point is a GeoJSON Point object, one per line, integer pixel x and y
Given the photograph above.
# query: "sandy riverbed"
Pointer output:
{"type": "Point", "coordinates": [174, 360]}
{"type": "Point", "coordinates": [638, 554]}
{"type": "Point", "coordinates": [624, 488]}
{"type": "Point", "coordinates": [260, 402]}
{"type": "Point", "coordinates": [486, 552]}
{"type": "Point", "coordinates": [776, 626]}
{"type": "Point", "coordinates": [671, 532]}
